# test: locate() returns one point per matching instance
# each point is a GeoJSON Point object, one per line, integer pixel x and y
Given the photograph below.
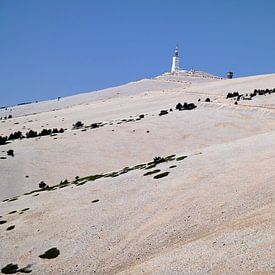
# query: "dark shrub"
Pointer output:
{"type": "Point", "coordinates": [94, 125]}
{"type": "Point", "coordinates": [55, 131]}
{"type": "Point", "coordinates": [163, 112]}
{"type": "Point", "coordinates": [10, 116]}
{"type": "Point", "coordinates": [31, 134]}
{"type": "Point", "coordinates": [158, 176]}
{"type": "Point", "coordinates": [50, 254]}
{"type": "Point", "coordinates": [61, 130]}
{"type": "Point", "coordinates": [207, 99]}
{"type": "Point", "coordinates": [186, 106]}
{"type": "Point", "coordinates": [45, 132]}
{"type": "Point", "coordinates": [43, 185]}
{"type": "Point", "coordinates": [10, 153]}
{"type": "Point", "coordinates": [179, 106]}
{"type": "Point", "coordinates": [64, 182]}
{"type": "Point", "coordinates": [78, 125]}
{"type": "Point", "coordinates": [3, 140]}
{"type": "Point", "coordinates": [190, 106]}
{"type": "Point", "coordinates": [141, 116]}
{"type": "Point", "coordinates": [15, 135]}
{"type": "Point", "coordinates": [10, 269]}
{"type": "Point", "coordinates": [158, 160]}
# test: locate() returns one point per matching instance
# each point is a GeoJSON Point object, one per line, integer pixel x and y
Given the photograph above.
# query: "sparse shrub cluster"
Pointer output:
{"type": "Point", "coordinates": [65, 181]}
{"type": "Point", "coordinates": [158, 160]}
{"type": "Point", "coordinates": [256, 92]}
{"type": "Point", "coordinates": [44, 132]}
{"type": "Point", "coordinates": [6, 117]}
{"type": "Point", "coordinates": [185, 106]}
{"type": "Point", "coordinates": [29, 134]}
{"type": "Point", "coordinates": [15, 135]}
{"type": "Point", "coordinates": [232, 95]}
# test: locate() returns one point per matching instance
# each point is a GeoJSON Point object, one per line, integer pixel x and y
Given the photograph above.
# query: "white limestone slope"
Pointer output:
{"type": "Point", "coordinates": [212, 214]}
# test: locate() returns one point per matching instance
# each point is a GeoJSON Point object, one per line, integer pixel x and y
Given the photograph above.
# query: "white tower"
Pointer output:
{"type": "Point", "coordinates": [176, 61]}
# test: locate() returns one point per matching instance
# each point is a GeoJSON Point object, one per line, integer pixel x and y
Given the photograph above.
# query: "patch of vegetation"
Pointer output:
{"type": "Point", "coordinates": [15, 135]}
{"type": "Point", "coordinates": [150, 166]}
{"type": "Point", "coordinates": [12, 212]}
{"type": "Point", "coordinates": [173, 166]}
{"type": "Point", "coordinates": [13, 199]}
{"type": "Point", "coordinates": [238, 96]}
{"type": "Point", "coordinates": [10, 269]}
{"type": "Point", "coordinates": [161, 175]}
{"type": "Point", "coordinates": [185, 106]}
{"type": "Point", "coordinates": [2, 222]}
{"type": "Point", "coordinates": [94, 125]}
{"type": "Point", "coordinates": [207, 99]}
{"type": "Point", "coordinates": [80, 181]}
{"type": "Point", "coordinates": [10, 227]}
{"type": "Point", "coordinates": [234, 94]}
{"type": "Point", "coordinates": [13, 268]}
{"type": "Point", "coordinates": [64, 182]}
{"type": "Point", "coordinates": [152, 172]}
{"type": "Point", "coordinates": [158, 160]}
{"type": "Point", "coordinates": [43, 185]}
{"type": "Point", "coordinates": [25, 209]}
{"type": "Point", "coordinates": [10, 152]}
{"type": "Point", "coordinates": [78, 125]}
{"type": "Point", "coordinates": [181, 158]}
{"type": "Point", "coordinates": [31, 134]}
{"type": "Point", "coordinates": [163, 112]}
{"type": "Point", "coordinates": [3, 140]}
{"type": "Point", "coordinates": [95, 201]}
{"type": "Point", "coordinates": [50, 254]}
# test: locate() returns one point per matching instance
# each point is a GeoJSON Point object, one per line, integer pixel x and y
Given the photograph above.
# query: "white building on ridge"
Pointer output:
{"type": "Point", "coordinates": [176, 61]}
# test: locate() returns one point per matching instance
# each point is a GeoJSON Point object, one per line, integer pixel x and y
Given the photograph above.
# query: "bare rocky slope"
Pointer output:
{"type": "Point", "coordinates": [205, 206]}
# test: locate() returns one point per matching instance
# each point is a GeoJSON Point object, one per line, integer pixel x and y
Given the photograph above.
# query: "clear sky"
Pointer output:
{"type": "Point", "coordinates": [51, 48]}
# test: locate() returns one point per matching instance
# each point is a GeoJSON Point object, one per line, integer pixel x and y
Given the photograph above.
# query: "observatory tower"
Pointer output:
{"type": "Point", "coordinates": [176, 61]}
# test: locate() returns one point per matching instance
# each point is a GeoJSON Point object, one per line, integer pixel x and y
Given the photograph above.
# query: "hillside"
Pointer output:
{"type": "Point", "coordinates": [210, 212]}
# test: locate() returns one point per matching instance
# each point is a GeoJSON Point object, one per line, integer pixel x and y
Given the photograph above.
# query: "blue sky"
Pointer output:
{"type": "Point", "coordinates": [56, 48]}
